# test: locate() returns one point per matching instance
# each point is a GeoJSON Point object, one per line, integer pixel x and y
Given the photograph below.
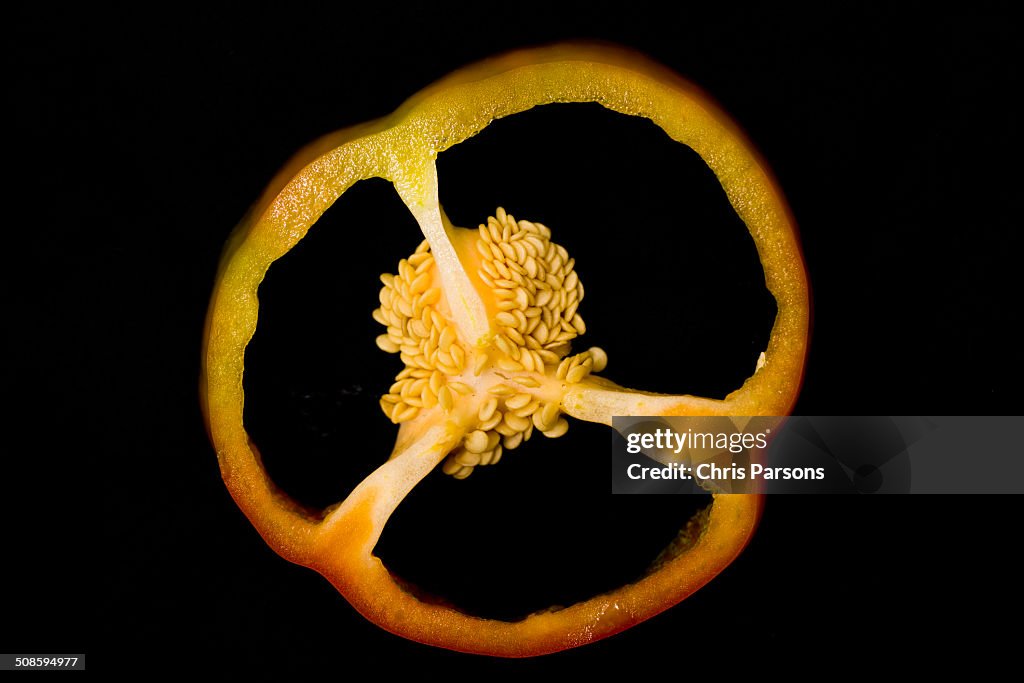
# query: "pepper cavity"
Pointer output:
{"type": "Point", "coordinates": [503, 386]}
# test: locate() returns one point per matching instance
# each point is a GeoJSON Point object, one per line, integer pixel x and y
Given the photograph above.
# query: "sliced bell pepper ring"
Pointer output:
{"type": "Point", "coordinates": [483, 320]}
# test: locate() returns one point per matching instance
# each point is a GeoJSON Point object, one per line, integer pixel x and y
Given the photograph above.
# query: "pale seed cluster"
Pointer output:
{"type": "Point", "coordinates": [536, 288]}
{"type": "Point", "coordinates": [425, 341]}
{"type": "Point", "coordinates": [537, 294]}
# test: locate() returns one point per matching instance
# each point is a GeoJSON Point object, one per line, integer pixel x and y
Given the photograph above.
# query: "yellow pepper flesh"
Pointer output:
{"type": "Point", "coordinates": [402, 148]}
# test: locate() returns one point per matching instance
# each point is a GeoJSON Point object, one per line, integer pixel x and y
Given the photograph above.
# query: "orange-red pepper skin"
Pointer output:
{"type": "Point", "coordinates": [367, 584]}
{"type": "Point", "coordinates": [402, 148]}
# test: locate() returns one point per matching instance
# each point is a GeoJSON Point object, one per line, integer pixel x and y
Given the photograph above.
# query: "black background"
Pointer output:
{"type": "Point", "coordinates": [146, 136]}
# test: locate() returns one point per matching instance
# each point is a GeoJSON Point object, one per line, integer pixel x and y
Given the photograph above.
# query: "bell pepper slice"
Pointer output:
{"type": "Point", "coordinates": [402, 148]}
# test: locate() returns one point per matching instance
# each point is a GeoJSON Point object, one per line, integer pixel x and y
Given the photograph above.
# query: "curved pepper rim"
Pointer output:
{"type": "Point", "coordinates": [402, 148]}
